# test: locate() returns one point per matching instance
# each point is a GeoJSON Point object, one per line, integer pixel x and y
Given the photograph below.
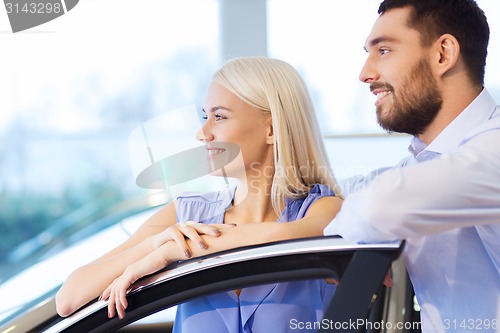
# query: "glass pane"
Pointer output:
{"type": "Point", "coordinates": [324, 39]}
{"type": "Point", "coordinates": [72, 91]}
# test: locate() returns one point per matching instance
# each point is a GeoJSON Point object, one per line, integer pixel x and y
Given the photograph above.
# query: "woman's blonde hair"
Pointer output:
{"type": "Point", "coordinates": [273, 86]}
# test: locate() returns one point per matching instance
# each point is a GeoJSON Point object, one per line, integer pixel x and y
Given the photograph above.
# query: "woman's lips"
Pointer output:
{"type": "Point", "coordinates": [215, 151]}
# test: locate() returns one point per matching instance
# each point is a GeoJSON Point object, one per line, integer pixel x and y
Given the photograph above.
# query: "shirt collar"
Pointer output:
{"type": "Point", "coordinates": [451, 137]}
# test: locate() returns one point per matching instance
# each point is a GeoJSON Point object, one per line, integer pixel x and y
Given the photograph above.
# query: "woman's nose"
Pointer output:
{"type": "Point", "coordinates": [204, 134]}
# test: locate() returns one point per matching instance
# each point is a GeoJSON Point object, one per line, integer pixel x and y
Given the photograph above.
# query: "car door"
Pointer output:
{"type": "Point", "coordinates": [358, 300]}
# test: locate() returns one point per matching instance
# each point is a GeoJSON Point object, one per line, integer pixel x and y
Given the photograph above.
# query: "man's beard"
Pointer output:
{"type": "Point", "coordinates": [415, 105]}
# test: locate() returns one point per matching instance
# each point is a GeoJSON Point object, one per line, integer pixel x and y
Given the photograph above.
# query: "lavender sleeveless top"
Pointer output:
{"type": "Point", "coordinates": [277, 308]}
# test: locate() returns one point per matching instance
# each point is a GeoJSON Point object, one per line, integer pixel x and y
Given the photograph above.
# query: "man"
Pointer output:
{"type": "Point", "coordinates": [426, 61]}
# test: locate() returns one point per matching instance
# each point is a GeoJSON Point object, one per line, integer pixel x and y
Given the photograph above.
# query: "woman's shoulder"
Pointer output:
{"type": "Point", "coordinates": [316, 192]}
{"type": "Point", "coordinates": [297, 208]}
{"type": "Point", "coordinates": [322, 190]}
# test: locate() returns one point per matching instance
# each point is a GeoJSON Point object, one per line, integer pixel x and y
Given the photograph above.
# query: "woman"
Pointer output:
{"type": "Point", "coordinates": [263, 106]}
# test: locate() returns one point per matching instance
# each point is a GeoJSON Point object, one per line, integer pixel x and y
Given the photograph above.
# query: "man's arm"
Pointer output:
{"type": "Point", "coordinates": [458, 190]}
{"type": "Point", "coordinates": [356, 183]}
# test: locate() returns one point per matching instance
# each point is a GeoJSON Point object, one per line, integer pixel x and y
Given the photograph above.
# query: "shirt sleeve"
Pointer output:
{"type": "Point", "coordinates": [457, 190]}
{"type": "Point", "coordinates": [353, 184]}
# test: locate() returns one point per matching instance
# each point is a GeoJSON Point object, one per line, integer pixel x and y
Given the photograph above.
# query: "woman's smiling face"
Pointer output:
{"type": "Point", "coordinates": [228, 119]}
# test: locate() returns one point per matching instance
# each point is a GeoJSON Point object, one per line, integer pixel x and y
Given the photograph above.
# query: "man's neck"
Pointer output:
{"type": "Point", "coordinates": [455, 101]}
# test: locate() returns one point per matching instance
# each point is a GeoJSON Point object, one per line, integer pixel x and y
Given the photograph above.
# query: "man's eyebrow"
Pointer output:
{"type": "Point", "coordinates": [375, 41]}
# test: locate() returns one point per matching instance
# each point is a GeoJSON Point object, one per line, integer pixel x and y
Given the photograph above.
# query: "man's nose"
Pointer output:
{"type": "Point", "coordinates": [368, 72]}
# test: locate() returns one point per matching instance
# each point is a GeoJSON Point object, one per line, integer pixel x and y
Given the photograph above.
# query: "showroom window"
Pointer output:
{"type": "Point", "coordinates": [72, 91]}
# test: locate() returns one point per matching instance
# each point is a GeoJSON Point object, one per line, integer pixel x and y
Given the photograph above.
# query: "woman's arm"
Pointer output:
{"type": "Point", "coordinates": [88, 281]}
{"type": "Point", "coordinates": [318, 216]}
{"type": "Point", "coordinates": [159, 221]}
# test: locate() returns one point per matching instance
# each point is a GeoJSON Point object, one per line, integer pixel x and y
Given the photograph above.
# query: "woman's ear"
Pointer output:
{"type": "Point", "coordinates": [447, 51]}
{"type": "Point", "coordinates": [270, 131]}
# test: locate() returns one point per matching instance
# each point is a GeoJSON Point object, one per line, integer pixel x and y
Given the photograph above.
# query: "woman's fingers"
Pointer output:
{"type": "Point", "coordinates": [194, 235]}
{"type": "Point", "coordinates": [111, 305]}
{"type": "Point", "coordinates": [105, 295]}
{"type": "Point", "coordinates": [180, 239]}
{"type": "Point", "coordinates": [117, 298]}
{"type": "Point", "coordinates": [205, 229]}
{"type": "Point", "coordinates": [191, 230]}
{"type": "Point", "coordinates": [122, 303]}
{"type": "Point", "coordinates": [226, 225]}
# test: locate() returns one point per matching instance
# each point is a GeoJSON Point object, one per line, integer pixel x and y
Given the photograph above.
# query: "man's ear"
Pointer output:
{"type": "Point", "coordinates": [447, 53]}
{"type": "Point", "coordinates": [270, 131]}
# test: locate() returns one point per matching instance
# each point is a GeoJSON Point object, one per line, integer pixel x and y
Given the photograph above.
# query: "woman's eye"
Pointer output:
{"type": "Point", "coordinates": [383, 51]}
{"type": "Point", "coordinates": [215, 116]}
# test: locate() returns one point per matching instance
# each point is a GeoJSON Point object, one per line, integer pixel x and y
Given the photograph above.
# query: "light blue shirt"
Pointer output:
{"type": "Point", "coordinates": [445, 201]}
{"type": "Point", "coordinates": [279, 307]}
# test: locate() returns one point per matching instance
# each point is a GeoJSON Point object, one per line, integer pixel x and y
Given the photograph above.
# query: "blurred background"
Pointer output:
{"type": "Point", "coordinates": [73, 89]}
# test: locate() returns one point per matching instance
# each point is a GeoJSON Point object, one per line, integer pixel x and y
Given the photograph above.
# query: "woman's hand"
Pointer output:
{"type": "Point", "coordinates": [181, 231]}
{"type": "Point", "coordinates": [161, 255]}
{"type": "Point", "coordinates": [116, 294]}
